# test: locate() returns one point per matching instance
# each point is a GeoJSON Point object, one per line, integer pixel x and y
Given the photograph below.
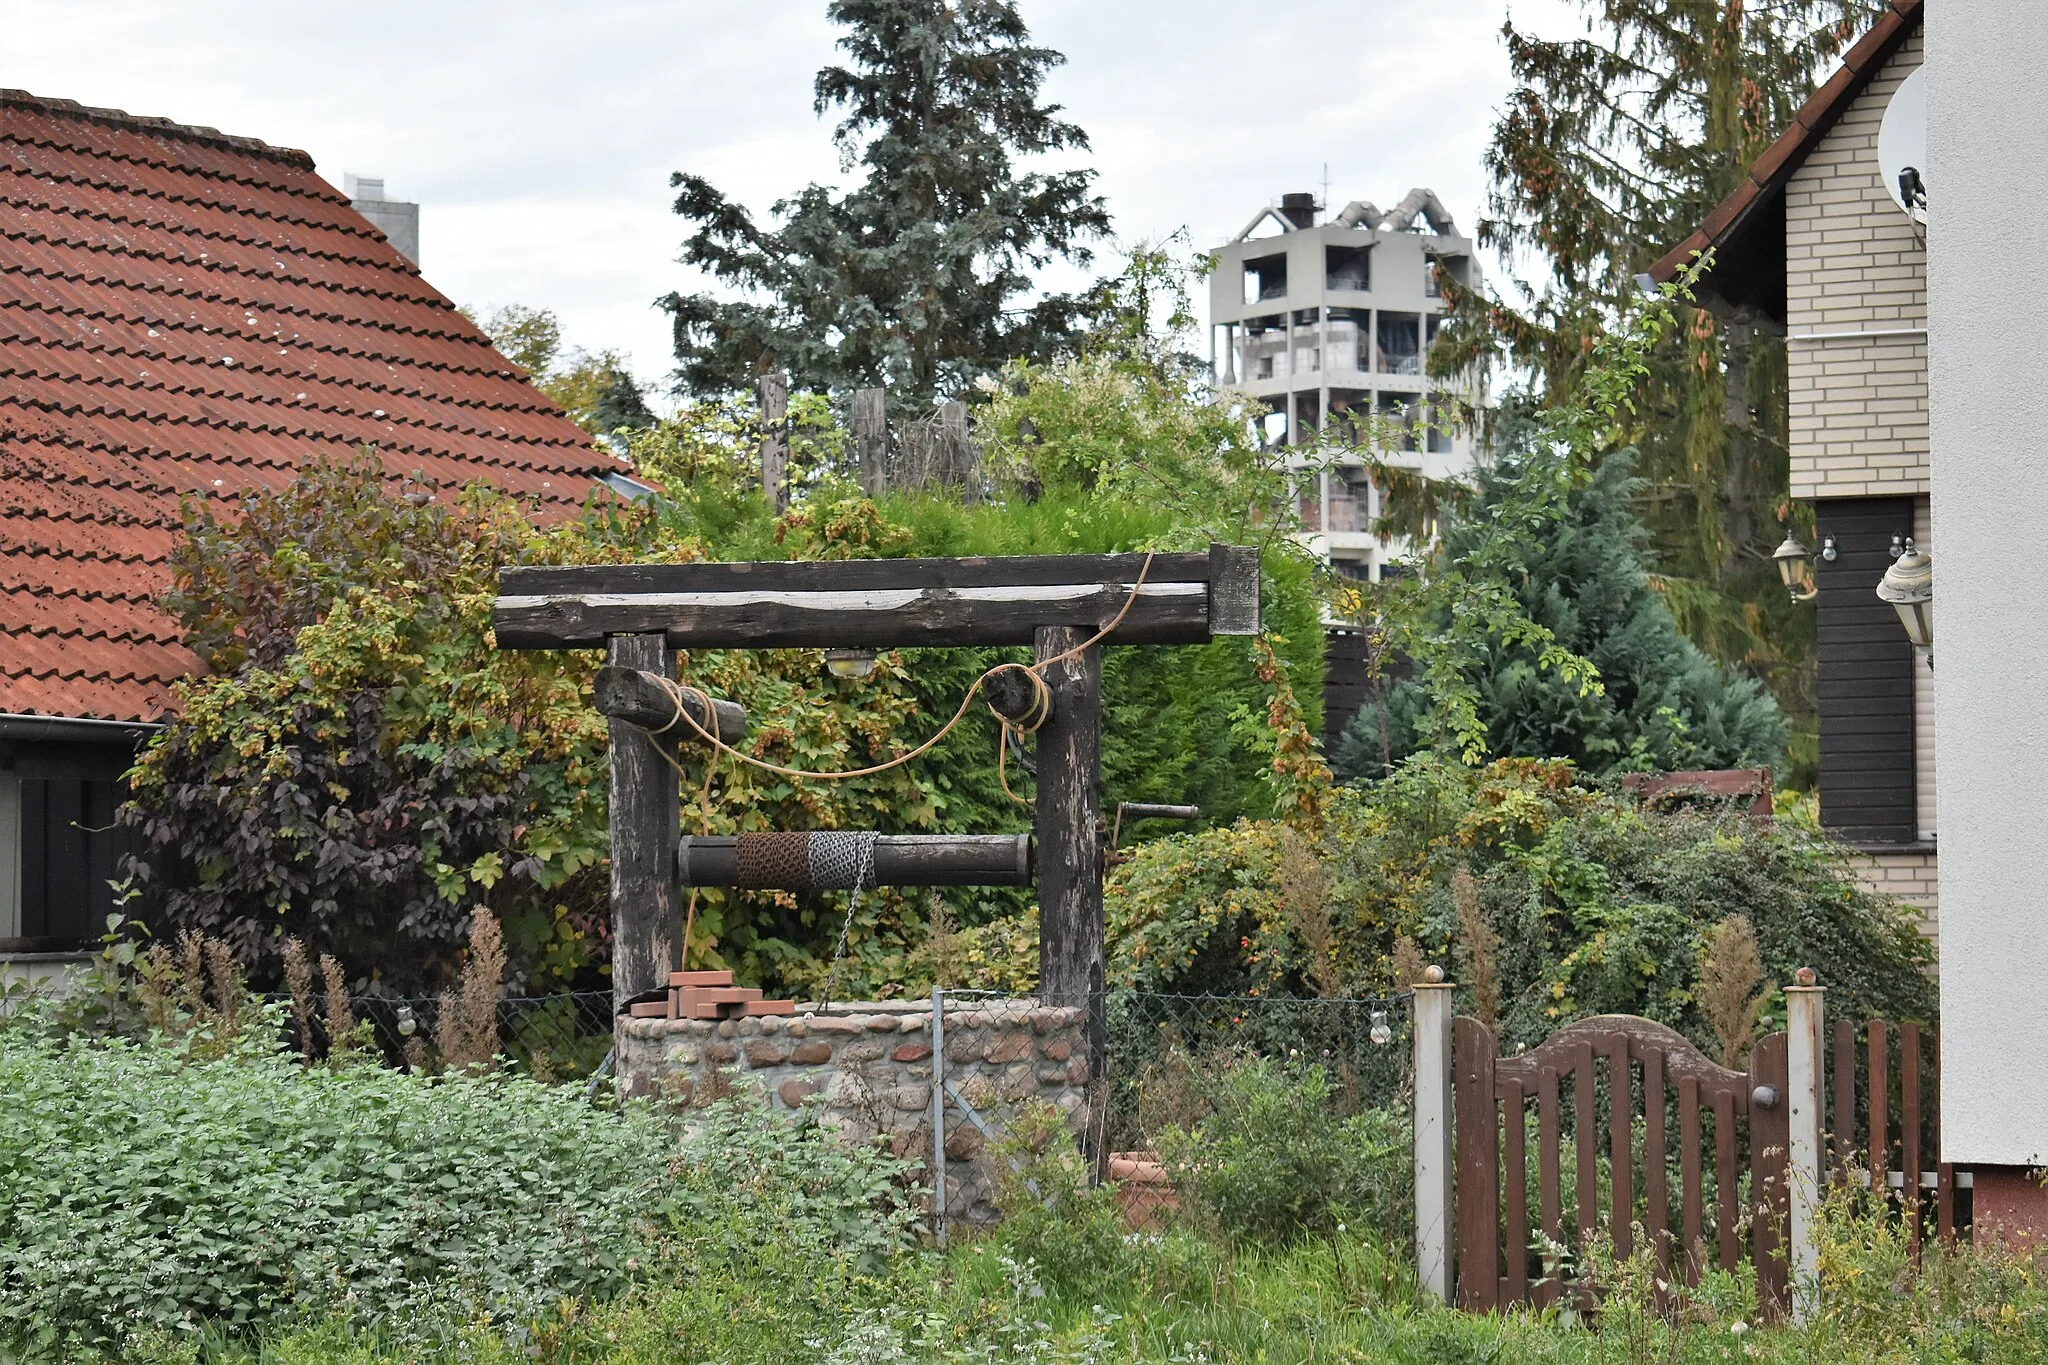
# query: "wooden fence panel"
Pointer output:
{"type": "Point", "coordinates": [1493, 1199]}
{"type": "Point", "coordinates": [1656, 1197]}
{"type": "Point", "coordinates": [1909, 1132]}
{"type": "Point", "coordinates": [1861, 1140]}
{"type": "Point", "coordinates": [1549, 1180]}
{"type": "Point", "coordinates": [1621, 1155]}
{"type": "Point", "coordinates": [1478, 1181]}
{"type": "Point", "coordinates": [1586, 1137]}
{"type": "Point", "coordinates": [1607, 1072]}
{"type": "Point", "coordinates": [1689, 1194]}
{"type": "Point", "coordinates": [1515, 1165]}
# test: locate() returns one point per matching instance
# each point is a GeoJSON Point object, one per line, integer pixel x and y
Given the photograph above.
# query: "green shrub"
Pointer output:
{"type": "Point", "coordinates": [744, 1180]}
{"type": "Point", "coordinates": [1271, 1160]}
{"type": "Point", "coordinates": [1600, 906]}
{"type": "Point", "coordinates": [144, 1188]}
{"type": "Point", "coordinates": [1066, 1230]}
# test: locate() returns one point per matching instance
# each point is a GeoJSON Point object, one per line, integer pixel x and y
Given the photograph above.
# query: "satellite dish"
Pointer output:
{"type": "Point", "coordinates": [1902, 146]}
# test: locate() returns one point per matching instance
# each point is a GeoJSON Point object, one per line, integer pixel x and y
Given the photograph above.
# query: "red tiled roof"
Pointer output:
{"type": "Point", "coordinates": [1761, 190]}
{"type": "Point", "coordinates": [188, 313]}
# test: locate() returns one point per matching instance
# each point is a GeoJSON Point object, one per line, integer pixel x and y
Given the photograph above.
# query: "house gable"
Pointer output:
{"type": "Point", "coordinates": [1856, 311]}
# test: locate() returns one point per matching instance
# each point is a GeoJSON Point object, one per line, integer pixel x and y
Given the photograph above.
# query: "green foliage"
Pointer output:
{"type": "Point", "coordinates": [1056, 1217]}
{"type": "Point", "coordinates": [530, 338]}
{"type": "Point", "coordinates": [400, 771]}
{"type": "Point", "coordinates": [1601, 906]}
{"type": "Point", "coordinates": [743, 1179]}
{"type": "Point", "coordinates": [910, 278]}
{"type": "Point", "coordinates": [364, 768]}
{"type": "Point", "coordinates": [1662, 704]}
{"type": "Point", "coordinates": [1619, 138]}
{"type": "Point", "coordinates": [1180, 724]}
{"type": "Point", "coordinates": [1272, 1161]}
{"type": "Point", "coordinates": [1339, 1298]}
{"type": "Point", "coordinates": [595, 389]}
{"type": "Point", "coordinates": [150, 1187]}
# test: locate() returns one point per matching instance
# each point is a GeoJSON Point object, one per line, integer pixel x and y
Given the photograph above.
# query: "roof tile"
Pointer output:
{"type": "Point", "coordinates": [185, 314]}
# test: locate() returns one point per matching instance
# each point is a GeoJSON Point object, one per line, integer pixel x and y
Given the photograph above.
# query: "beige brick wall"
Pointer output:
{"type": "Point", "coordinates": [1908, 876]}
{"type": "Point", "coordinates": [1855, 263]}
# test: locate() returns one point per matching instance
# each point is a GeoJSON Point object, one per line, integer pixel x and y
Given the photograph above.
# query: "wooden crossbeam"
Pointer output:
{"type": "Point", "coordinates": [882, 603]}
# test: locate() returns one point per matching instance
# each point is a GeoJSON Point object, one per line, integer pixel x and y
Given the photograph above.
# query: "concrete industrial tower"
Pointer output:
{"type": "Point", "coordinates": [1326, 325]}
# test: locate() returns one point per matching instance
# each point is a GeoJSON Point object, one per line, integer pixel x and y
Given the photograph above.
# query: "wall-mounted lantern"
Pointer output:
{"type": "Point", "coordinates": [1795, 566]}
{"type": "Point", "coordinates": [1909, 586]}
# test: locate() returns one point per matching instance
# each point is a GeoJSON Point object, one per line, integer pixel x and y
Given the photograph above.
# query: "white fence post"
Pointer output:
{"type": "Point", "coordinates": [1432, 1032]}
{"type": "Point", "coordinates": [1805, 1063]}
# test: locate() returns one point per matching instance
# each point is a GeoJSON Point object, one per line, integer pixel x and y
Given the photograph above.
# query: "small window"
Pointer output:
{"type": "Point", "coordinates": [1441, 417]}
{"type": "Point", "coordinates": [1265, 278]}
{"type": "Point", "coordinates": [1347, 268]}
{"type": "Point", "coordinates": [1400, 343]}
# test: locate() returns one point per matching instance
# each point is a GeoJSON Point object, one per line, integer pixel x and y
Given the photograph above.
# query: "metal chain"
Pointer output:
{"type": "Point", "coordinates": [838, 853]}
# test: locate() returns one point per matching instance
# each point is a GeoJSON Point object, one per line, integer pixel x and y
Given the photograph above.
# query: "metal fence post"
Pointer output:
{"type": "Point", "coordinates": [939, 1116]}
{"type": "Point", "coordinates": [1433, 1192]}
{"type": "Point", "coordinates": [1805, 1080]}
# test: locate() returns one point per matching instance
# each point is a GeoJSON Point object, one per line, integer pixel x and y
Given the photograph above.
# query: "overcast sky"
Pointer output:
{"type": "Point", "coordinates": [538, 137]}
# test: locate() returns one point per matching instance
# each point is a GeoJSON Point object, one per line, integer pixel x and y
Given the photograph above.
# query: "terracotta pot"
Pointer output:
{"type": "Point", "coordinates": [1143, 1189]}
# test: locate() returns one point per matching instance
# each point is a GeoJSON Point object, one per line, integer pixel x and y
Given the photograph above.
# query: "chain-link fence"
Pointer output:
{"type": "Point", "coordinates": [551, 1037]}
{"type": "Point", "coordinates": [1159, 1048]}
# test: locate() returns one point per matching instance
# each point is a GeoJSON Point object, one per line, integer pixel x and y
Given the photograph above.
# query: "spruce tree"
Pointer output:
{"type": "Point", "coordinates": [912, 277]}
{"type": "Point", "coordinates": [1614, 145]}
{"type": "Point", "coordinates": [1662, 703]}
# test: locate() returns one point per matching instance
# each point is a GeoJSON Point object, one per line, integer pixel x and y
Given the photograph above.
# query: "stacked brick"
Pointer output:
{"type": "Point", "coordinates": [869, 1068]}
{"type": "Point", "coordinates": [708, 995]}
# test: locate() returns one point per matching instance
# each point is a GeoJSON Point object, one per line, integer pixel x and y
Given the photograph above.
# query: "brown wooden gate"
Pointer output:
{"type": "Point", "coordinates": [1591, 1082]}
{"type": "Point", "coordinates": [1861, 1145]}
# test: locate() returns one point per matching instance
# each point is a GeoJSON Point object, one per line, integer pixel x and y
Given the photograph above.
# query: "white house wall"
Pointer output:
{"type": "Point", "coordinates": [1987, 143]}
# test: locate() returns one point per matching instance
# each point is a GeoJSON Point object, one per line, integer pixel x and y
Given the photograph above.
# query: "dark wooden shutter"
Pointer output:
{"type": "Point", "coordinates": [71, 852]}
{"type": "Point", "coordinates": [1344, 685]}
{"type": "Point", "coordinates": [1866, 676]}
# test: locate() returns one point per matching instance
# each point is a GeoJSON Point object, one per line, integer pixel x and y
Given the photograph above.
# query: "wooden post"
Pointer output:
{"type": "Point", "coordinates": [958, 450]}
{"type": "Point", "coordinates": [1433, 1193]}
{"type": "Point", "coordinates": [1805, 1084]}
{"type": "Point", "coordinates": [1069, 826]}
{"type": "Point", "coordinates": [871, 439]}
{"type": "Point", "coordinates": [774, 390]}
{"type": "Point", "coordinates": [646, 823]}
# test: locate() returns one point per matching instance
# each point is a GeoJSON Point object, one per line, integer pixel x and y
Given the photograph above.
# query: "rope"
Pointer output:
{"type": "Point", "coordinates": [679, 694]}
{"type": "Point", "coordinates": [704, 826]}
